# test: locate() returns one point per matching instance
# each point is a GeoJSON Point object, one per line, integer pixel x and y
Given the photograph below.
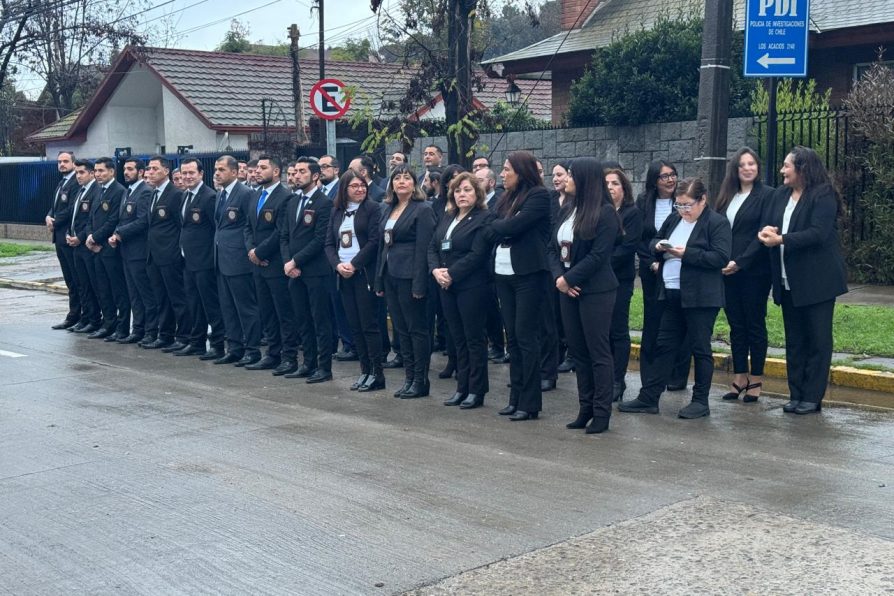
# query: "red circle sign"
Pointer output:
{"type": "Point", "coordinates": [328, 99]}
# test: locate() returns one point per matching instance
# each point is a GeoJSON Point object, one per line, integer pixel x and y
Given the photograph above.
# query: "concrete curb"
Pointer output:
{"type": "Point", "coordinates": [841, 376]}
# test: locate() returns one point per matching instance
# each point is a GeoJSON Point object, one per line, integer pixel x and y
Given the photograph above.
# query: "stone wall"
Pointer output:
{"type": "Point", "coordinates": [633, 146]}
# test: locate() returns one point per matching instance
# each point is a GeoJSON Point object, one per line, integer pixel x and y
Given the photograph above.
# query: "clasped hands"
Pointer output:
{"type": "Point", "coordinates": [769, 236]}
{"type": "Point", "coordinates": [254, 259]}
{"type": "Point", "coordinates": [442, 277]}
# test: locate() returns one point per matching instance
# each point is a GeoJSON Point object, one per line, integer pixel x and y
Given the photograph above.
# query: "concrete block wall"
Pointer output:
{"type": "Point", "coordinates": [632, 146]}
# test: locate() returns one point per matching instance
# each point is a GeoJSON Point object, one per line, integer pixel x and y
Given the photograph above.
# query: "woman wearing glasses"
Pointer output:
{"type": "Point", "coordinates": [402, 274]}
{"type": "Point", "coordinates": [691, 249]}
{"type": "Point", "coordinates": [742, 199]}
{"type": "Point", "coordinates": [655, 204]}
{"type": "Point", "coordinates": [808, 273]}
{"type": "Point", "coordinates": [351, 247]}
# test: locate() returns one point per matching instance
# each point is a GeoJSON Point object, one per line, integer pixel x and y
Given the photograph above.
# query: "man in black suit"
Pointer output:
{"type": "Point", "coordinates": [165, 259]}
{"type": "Point", "coordinates": [114, 300]}
{"type": "Point", "coordinates": [199, 276]}
{"type": "Point", "coordinates": [131, 236]}
{"type": "Point", "coordinates": [235, 287]}
{"type": "Point", "coordinates": [272, 286]}
{"type": "Point", "coordinates": [330, 170]}
{"type": "Point", "coordinates": [76, 238]}
{"type": "Point", "coordinates": [303, 232]}
{"type": "Point", "coordinates": [363, 166]}
{"type": "Point", "coordinates": [63, 201]}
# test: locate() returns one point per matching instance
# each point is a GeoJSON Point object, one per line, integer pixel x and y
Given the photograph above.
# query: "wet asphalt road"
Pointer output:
{"type": "Point", "coordinates": [130, 471]}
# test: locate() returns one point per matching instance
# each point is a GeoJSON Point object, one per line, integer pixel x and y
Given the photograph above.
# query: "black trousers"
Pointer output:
{"type": "Point", "coordinates": [549, 343]}
{"type": "Point", "coordinates": [143, 305]}
{"type": "Point", "coordinates": [312, 306]}
{"type": "Point", "coordinates": [466, 321]}
{"type": "Point", "coordinates": [494, 319]}
{"type": "Point", "coordinates": [66, 256]}
{"type": "Point", "coordinates": [652, 310]}
{"type": "Point", "coordinates": [277, 316]}
{"type": "Point", "coordinates": [408, 314]}
{"type": "Point", "coordinates": [808, 347]}
{"type": "Point", "coordinates": [388, 343]}
{"type": "Point", "coordinates": [110, 272]}
{"type": "Point", "coordinates": [174, 319]}
{"type": "Point", "coordinates": [678, 324]}
{"type": "Point", "coordinates": [746, 311]}
{"type": "Point", "coordinates": [437, 325]}
{"type": "Point", "coordinates": [204, 308]}
{"type": "Point", "coordinates": [104, 295]}
{"type": "Point", "coordinates": [85, 270]}
{"type": "Point", "coordinates": [341, 327]}
{"type": "Point", "coordinates": [619, 334]}
{"type": "Point", "coordinates": [239, 310]}
{"type": "Point", "coordinates": [362, 309]}
{"type": "Point", "coordinates": [522, 299]}
{"type": "Point", "coordinates": [587, 321]}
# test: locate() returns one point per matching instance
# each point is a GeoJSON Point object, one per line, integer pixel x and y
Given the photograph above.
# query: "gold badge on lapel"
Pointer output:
{"type": "Point", "coordinates": [85, 206]}
{"type": "Point", "coordinates": [232, 214]}
{"type": "Point", "coordinates": [105, 205]}
{"type": "Point", "coordinates": [309, 216]}
{"type": "Point", "coordinates": [162, 213]}
{"type": "Point", "coordinates": [268, 215]}
{"type": "Point", "coordinates": [196, 216]}
{"type": "Point", "coordinates": [346, 239]}
{"type": "Point", "coordinates": [128, 208]}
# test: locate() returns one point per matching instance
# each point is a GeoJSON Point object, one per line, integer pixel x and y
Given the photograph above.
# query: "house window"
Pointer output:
{"type": "Point", "coordinates": [860, 69]}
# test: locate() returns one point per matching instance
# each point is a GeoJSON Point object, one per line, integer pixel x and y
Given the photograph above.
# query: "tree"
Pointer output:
{"type": "Point", "coordinates": [236, 39]}
{"type": "Point", "coordinates": [659, 68]}
{"type": "Point", "coordinates": [352, 50]}
{"type": "Point", "coordinates": [518, 27]}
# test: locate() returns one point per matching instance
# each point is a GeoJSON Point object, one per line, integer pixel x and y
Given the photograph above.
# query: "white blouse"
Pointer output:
{"type": "Point", "coordinates": [346, 255]}
{"type": "Point", "coordinates": [565, 233]}
{"type": "Point", "coordinates": [733, 209]}
{"type": "Point", "coordinates": [672, 265]}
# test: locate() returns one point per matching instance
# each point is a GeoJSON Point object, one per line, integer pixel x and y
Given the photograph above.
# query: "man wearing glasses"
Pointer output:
{"type": "Point", "coordinates": [329, 172]}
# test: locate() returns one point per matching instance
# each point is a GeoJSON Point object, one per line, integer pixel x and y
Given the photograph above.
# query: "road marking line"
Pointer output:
{"type": "Point", "coordinates": [12, 354]}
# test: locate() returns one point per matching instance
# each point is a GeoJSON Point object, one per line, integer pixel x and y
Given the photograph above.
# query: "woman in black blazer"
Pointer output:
{"type": "Point", "coordinates": [580, 250]}
{"type": "Point", "coordinates": [742, 199]}
{"type": "Point", "coordinates": [402, 274]}
{"type": "Point", "coordinates": [808, 273]}
{"type": "Point", "coordinates": [692, 246]}
{"type": "Point", "coordinates": [352, 246]}
{"type": "Point", "coordinates": [458, 256]}
{"type": "Point", "coordinates": [624, 266]}
{"type": "Point", "coordinates": [655, 204]}
{"type": "Point", "coordinates": [520, 233]}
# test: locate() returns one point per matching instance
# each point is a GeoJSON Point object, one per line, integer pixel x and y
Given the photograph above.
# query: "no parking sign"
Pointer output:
{"type": "Point", "coordinates": [329, 100]}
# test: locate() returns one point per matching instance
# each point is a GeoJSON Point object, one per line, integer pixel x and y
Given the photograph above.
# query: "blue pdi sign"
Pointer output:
{"type": "Point", "coordinates": [776, 38]}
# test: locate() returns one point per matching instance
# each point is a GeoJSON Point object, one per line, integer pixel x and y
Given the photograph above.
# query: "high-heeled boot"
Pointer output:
{"type": "Point", "coordinates": [583, 416]}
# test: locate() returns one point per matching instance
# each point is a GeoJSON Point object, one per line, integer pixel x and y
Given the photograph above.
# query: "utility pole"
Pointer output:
{"type": "Point", "coordinates": [297, 95]}
{"type": "Point", "coordinates": [713, 93]}
{"type": "Point", "coordinates": [458, 95]}
{"type": "Point", "coordinates": [329, 124]}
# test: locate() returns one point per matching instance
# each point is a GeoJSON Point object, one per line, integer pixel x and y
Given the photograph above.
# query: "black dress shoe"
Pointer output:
{"type": "Point", "coordinates": [521, 415]}
{"type": "Point", "coordinates": [212, 354]}
{"type": "Point", "coordinates": [791, 406]}
{"type": "Point", "coordinates": [248, 359]}
{"type": "Point", "coordinates": [229, 358]}
{"type": "Point", "coordinates": [457, 399]}
{"type": "Point", "coordinates": [303, 372]}
{"type": "Point", "coordinates": [448, 370]}
{"type": "Point", "coordinates": [373, 383]}
{"type": "Point", "coordinates": [808, 407]}
{"type": "Point", "coordinates": [115, 337]}
{"type": "Point", "coordinates": [567, 365]}
{"type": "Point", "coordinates": [77, 327]}
{"type": "Point", "coordinates": [174, 347]}
{"type": "Point", "coordinates": [547, 385]}
{"type": "Point", "coordinates": [319, 376]}
{"type": "Point", "coordinates": [131, 339]}
{"type": "Point", "coordinates": [508, 410]}
{"type": "Point", "coordinates": [636, 406]}
{"type": "Point", "coordinates": [583, 417]}
{"type": "Point", "coordinates": [265, 363]}
{"type": "Point", "coordinates": [474, 400]}
{"type": "Point", "coordinates": [285, 367]}
{"type": "Point", "coordinates": [65, 324]}
{"type": "Point", "coordinates": [360, 382]}
{"type": "Point", "coordinates": [417, 389]}
{"type": "Point", "coordinates": [598, 425]}
{"type": "Point", "coordinates": [494, 353]}
{"type": "Point", "coordinates": [88, 328]}
{"type": "Point", "coordinates": [396, 362]}
{"type": "Point", "coordinates": [147, 341]}
{"type": "Point", "coordinates": [406, 387]}
{"type": "Point", "coordinates": [677, 386]}
{"type": "Point", "coordinates": [159, 344]}
{"type": "Point", "coordinates": [694, 410]}
{"type": "Point", "coordinates": [504, 359]}
{"type": "Point", "coordinates": [349, 356]}
{"type": "Point", "coordinates": [618, 390]}
{"type": "Point", "coordinates": [191, 351]}
{"type": "Point", "coordinates": [101, 333]}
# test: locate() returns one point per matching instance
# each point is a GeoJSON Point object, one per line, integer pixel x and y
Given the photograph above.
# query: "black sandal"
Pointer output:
{"type": "Point", "coordinates": [749, 399]}
{"type": "Point", "coordinates": [735, 394]}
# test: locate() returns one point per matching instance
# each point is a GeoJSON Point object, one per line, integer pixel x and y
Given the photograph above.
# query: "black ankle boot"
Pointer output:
{"type": "Point", "coordinates": [583, 417]}
{"type": "Point", "coordinates": [598, 425]}
{"type": "Point", "coordinates": [457, 399]}
{"type": "Point", "coordinates": [406, 387]}
{"type": "Point", "coordinates": [419, 388]}
{"type": "Point", "coordinates": [448, 370]}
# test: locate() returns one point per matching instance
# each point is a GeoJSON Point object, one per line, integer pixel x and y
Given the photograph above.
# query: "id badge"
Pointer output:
{"type": "Point", "coordinates": [195, 216]}
{"type": "Point", "coordinates": [346, 239]}
{"type": "Point", "coordinates": [388, 237]}
{"type": "Point", "coordinates": [267, 215]}
{"type": "Point", "coordinates": [445, 245]}
{"type": "Point", "coordinates": [129, 208]}
{"type": "Point", "coordinates": [565, 252]}
{"type": "Point", "coordinates": [232, 213]}
{"type": "Point", "coordinates": [161, 212]}
{"type": "Point", "coordinates": [309, 216]}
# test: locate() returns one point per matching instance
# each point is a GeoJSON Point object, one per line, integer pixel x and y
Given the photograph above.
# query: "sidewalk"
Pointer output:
{"type": "Point", "coordinates": [40, 271]}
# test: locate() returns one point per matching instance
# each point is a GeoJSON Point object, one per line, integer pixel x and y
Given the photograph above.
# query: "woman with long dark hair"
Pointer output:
{"type": "Point", "coordinates": [580, 251]}
{"type": "Point", "coordinates": [742, 200]}
{"type": "Point", "coordinates": [561, 173]}
{"type": "Point", "coordinates": [457, 257]}
{"type": "Point", "coordinates": [352, 246]}
{"type": "Point", "coordinates": [808, 273]}
{"type": "Point", "coordinates": [402, 274]}
{"type": "Point", "coordinates": [624, 266]}
{"type": "Point", "coordinates": [521, 232]}
{"type": "Point", "coordinates": [655, 204]}
{"type": "Point", "coordinates": [692, 247]}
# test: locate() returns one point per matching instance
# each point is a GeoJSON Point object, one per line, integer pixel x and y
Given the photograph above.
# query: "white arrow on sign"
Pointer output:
{"type": "Point", "coordinates": [766, 61]}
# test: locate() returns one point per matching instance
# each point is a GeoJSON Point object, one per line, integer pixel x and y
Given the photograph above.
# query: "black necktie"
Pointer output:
{"type": "Point", "coordinates": [221, 201]}
{"type": "Point", "coordinates": [77, 207]}
{"type": "Point", "coordinates": [350, 213]}
{"type": "Point", "coordinates": [186, 202]}
{"type": "Point", "coordinates": [154, 198]}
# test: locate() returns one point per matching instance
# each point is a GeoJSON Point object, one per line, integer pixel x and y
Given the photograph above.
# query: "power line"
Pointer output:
{"type": "Point", "coordinates": [194, 29]}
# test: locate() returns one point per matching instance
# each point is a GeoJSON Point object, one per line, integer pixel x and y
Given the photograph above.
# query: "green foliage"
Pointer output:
{"type": "Point", "coordinates": [352, 50]}
{"type": "Point", "coordinates": [506, 116]}
{"type": "Point", "coordinates": [803, 115]}
{"type": "Point", "coordinates": [871, 108]}
{"type": "Point", "coordinates": [651, 75]}
{"type": "Point", "coordinates": [236, 41]}
{"type": "Point", "coordinates": [14, 249]}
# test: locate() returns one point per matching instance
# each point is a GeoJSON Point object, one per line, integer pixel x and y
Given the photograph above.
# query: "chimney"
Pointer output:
{"type": "Point", "coordinates": [576, 11]}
